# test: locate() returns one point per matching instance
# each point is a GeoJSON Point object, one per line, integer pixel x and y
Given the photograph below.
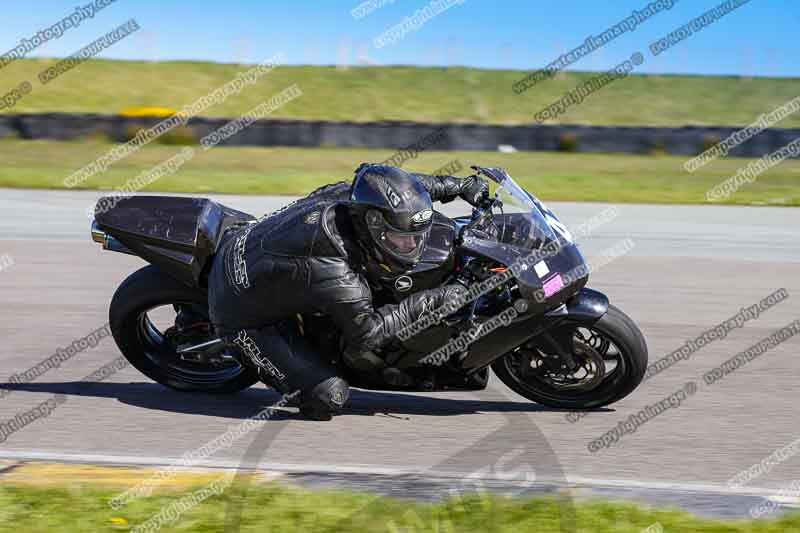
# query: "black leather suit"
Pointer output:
{"type": "Point", "coordinates": [305, 258]}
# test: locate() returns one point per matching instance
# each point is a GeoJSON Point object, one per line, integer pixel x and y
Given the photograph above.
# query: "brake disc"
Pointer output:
{"type": "Point", "coordinates": [589, 374]}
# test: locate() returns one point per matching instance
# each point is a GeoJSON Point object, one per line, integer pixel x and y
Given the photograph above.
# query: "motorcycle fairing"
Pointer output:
{"type": "Point", "coordinates": [177, 234]}
{"type": "Point", "coordinates": [567, 262]}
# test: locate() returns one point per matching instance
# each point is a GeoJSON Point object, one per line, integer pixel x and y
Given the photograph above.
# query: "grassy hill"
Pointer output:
{"type": "Point", "coordinates": [401, 93]}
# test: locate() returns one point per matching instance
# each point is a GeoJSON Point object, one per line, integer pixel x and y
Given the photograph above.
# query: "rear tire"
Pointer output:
{"type": "Point", "coordinates": [147, 289]}
{"type": "Point", "coordinates": [618, 328]}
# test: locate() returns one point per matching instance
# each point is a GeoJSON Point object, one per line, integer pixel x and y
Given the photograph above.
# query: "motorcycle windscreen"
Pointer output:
{"type": "Point", "coordinates": [549, 266]}
{"type": "Point", "coordinates": [524, 221]}
{"type": "Point", "coordinates": [531, 241]}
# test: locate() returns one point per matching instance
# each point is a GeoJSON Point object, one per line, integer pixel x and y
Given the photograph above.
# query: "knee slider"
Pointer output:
{"type": "Point", "coordinates": [331, 393]}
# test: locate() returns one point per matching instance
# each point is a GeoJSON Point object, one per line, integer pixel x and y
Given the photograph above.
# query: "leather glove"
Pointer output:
{"type": "Point", "coordinates": [475, 190]}
{"type": "Point", "coordinates": [450, 295]}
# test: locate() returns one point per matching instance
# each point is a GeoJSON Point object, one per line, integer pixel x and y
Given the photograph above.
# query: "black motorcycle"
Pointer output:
{"type": "Point", "coordinates": [559, 344]}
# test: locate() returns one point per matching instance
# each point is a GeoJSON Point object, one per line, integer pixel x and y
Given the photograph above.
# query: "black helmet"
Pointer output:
{"type": "Point", "coordinates": [392, 214]}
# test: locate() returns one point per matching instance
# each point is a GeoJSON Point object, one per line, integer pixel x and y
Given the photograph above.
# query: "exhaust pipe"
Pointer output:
{"type": "Point", "coordinates": [109, 243]}
{"type": "Point", "coordinates": [98, 235]}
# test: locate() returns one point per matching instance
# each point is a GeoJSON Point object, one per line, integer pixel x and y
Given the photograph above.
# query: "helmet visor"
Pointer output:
{"type": "Point", "coordinates": [404, 245]}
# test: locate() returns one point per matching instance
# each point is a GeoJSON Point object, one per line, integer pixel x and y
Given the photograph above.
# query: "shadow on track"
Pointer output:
{"type": "Point", "coordinates": [241, 405]}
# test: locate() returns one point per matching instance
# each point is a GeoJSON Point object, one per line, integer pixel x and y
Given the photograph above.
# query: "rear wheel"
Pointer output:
{"type": "Point", "coordinates": [142, 318]}
{"type": "Point", "coordinates": [610, 358]}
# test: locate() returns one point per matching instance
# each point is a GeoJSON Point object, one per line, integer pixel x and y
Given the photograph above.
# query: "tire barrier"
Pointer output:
{"type": "Point", "coordinates": [686, 140]}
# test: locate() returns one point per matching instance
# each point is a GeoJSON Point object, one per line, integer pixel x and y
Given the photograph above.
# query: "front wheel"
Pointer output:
{"type": "Point", "coordinates": [610, 357]}
{"type": "Point", "coordinates": [143, 322]}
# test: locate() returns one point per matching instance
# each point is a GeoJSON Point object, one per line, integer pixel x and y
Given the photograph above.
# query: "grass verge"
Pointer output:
{"type": "Point", "coordinates": [425, 94]}
{"type": "Point", "coordinates": [281, 508]}
{"type": "Point", "coordinates": [280, 170]}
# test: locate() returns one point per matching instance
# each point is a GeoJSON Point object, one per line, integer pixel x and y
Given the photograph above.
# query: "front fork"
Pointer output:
{"type": "Point", "coordinates": [588, 307]}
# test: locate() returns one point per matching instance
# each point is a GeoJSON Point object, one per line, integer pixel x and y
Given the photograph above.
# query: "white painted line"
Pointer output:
{"type": "Point", "coordinates": [291, 468]}
{"type": "Point", "coordinates": [784, 499]}
{"type": "Point", "coordinates": [703, 488]}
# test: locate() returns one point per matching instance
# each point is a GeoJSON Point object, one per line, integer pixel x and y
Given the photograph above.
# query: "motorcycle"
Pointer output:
{"type": "Point", "coordinates": [560, 343]}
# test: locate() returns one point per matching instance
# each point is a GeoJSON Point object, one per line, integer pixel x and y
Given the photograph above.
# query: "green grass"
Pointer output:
{"type": "Point", "coordinates": [402, 93]}
{"type": "Point", "coordinates": [256, 170]}
{"type": "Point", "coordinates": [287, 509]}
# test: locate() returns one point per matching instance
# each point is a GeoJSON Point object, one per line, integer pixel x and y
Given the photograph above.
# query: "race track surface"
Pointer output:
{"type": "Point", "coordinates": [691, 268]}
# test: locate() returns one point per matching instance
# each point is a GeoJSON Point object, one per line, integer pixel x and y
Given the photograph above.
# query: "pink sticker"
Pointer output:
{"type": "Point", "coordinates": [553, 285]}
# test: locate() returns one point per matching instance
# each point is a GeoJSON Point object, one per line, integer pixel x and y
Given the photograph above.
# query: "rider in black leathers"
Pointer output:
{"type": "Point", "coordinates": [315, 255]}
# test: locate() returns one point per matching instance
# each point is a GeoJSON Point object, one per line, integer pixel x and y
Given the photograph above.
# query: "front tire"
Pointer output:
{"type": "Point", "coordinates": [627, 364]}
{"type": "Point", "coordinates": [150, 351]}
